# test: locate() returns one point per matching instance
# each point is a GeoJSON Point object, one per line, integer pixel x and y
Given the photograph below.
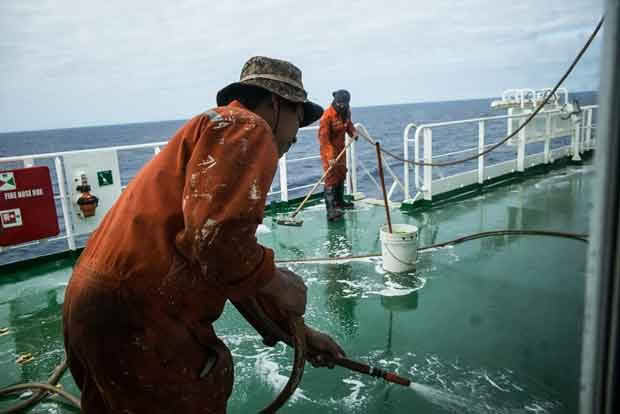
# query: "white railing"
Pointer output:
{"type": "Point", "coordinates": [396, 182]}
{"type": "Point", "coordinates": [283, 172]}
{"type": "Point", "coordinates": [351, 162]}
{"type": "Point", "coordinates": [64, 196]}
{"type": "Point", "coordinates": [581, 140]}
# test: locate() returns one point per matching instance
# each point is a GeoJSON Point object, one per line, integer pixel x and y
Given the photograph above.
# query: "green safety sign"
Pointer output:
{"type": "Point", "coordinates": [105, 178]}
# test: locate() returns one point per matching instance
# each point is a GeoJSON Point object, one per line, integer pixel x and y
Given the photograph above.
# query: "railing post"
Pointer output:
{"type": "Point", "coordinates": [480, 151]}
{"type": "Point", "coordinates": [351, 180]}
{"type": "Point", "coordinates": [565, 91]}
{"type": "Point", "coordinates": [584, 128]}
{"type": "Point", "coordinates": [575, 137]}
{"type": "Point", "coordinates": [582, 137]}
{"type": "Point", "coordinates": [283, 179]}
{"type": "Point", "coordinates": [60, 176]}
{"type": "Point", "coordinates": [521, 148]}
{"type": "Point", "coordinates": [547, 154]}
{"type": "Point", "coordinates": [354, 166]}
{"type": "Point", "coordinates": [416, 157]}
{"type": "Point", "coordinates": [428, 159]}
{"type": "Point", "coordinates": [589, 128]}
{"type": "Point", "coordinates": [406, 165]}
{"type": "Point", "coordinates": [347, 161]}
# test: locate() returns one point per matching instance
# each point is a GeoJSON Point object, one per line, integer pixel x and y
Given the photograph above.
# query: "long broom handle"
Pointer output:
{"type": "Point", "coordinates": [320, 180]}
{"type": "Point", "coordinates": [385, 200]}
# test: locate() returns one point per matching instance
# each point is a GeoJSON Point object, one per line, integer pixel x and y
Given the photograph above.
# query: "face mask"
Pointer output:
{"type": "Point", "coordinates": [342, 110]}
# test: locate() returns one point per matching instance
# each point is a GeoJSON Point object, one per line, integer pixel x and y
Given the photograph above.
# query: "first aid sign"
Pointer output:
{"type": "Point", "coordinates": [7, 181]}
{"type": "Point", "coordinates": [27, 206]}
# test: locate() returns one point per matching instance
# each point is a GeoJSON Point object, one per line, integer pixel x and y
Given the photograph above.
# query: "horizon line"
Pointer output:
{"type": "Point", "coordinates": [185, 119]}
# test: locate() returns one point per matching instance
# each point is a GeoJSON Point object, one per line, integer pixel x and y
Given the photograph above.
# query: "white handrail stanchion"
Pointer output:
{"type": "Point", "coordinates": [407, 167]}
{"type": "Point", "coordinates": [428, 159]}
{"type": "Point", "coordinates": [547, 153]}
{"type": "Point", "coordinates": [60, 176]}
{"type": "Point", "coordinates": [480, 150]}
{"type": "Point", "coordinates": [416, 157]}
{"type": "Point", "coordinates": [575, 141]}
{"type": "Point", "coordinates": [589, 131]}
{"type": "Point", "coordinates": [349, 161]}
{"type": "Point", "coordinates": [353, 149]}
{"type": "Point", "coordinates": [521, 149]}
{"type": "Point", "coordinates": [283, 179]}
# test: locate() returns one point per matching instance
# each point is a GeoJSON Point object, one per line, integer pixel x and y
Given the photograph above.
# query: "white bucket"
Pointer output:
{"type": "Point", "coordinates": [399, 249]}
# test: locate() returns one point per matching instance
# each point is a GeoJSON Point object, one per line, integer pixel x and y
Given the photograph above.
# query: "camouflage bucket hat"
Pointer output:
{"type": "Point", "coordinates": [277, 76]}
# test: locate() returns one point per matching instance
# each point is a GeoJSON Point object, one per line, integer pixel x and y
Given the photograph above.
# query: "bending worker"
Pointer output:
{"type": "Point", "coordinates": [336, 120]}
{"type": "Point", "coordinates": [180, 241]}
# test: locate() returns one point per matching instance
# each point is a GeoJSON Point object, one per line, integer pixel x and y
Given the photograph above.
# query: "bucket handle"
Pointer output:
{"type": "Point", "coordinates": [387, 247]}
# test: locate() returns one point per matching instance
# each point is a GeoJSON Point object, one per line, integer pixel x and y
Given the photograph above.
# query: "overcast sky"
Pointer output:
{"type": "Point", "coordinates": [76, 63]}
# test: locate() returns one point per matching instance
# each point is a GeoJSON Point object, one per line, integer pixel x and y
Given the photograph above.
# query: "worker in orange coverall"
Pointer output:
{"type": "Point", "coordinates": [336, 120]}
{"type": "Point", "coordinates": [180, 241]}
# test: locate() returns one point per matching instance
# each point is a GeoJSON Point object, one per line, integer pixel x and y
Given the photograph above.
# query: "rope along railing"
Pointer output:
{"type": "Point", "coordinates": [361, 129]}
{"type": "Point", "coordinates": [515, 132]}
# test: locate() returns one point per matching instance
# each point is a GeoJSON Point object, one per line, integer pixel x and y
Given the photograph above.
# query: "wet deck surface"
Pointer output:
{"type": "Point", "coordinates": [491, 325]}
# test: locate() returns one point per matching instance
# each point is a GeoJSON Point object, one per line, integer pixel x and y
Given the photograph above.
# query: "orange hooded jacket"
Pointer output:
{"type": "Point", "coordinates": [331, 141]}
{"type": "Point", "coordinates": [157, 272]}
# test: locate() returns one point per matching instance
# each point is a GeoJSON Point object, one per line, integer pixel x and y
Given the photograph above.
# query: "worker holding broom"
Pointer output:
{"type": "Point", "coordinates": [180, 241]}
{"type": "Point", "coordinates": [336, 120]}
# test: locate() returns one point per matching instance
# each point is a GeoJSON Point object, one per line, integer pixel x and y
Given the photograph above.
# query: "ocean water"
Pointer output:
{"type": "Point", "coordinates": [385, 123]}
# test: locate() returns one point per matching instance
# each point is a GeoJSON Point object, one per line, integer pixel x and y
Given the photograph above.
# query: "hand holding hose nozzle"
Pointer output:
{"type": "Point", "coordinates": [316, 347]}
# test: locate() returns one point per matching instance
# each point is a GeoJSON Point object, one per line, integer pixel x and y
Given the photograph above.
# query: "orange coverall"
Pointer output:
{"type": "Point", "coordinates": [331, 141]}
{"type": "Point", "coordinates": [157, 272]}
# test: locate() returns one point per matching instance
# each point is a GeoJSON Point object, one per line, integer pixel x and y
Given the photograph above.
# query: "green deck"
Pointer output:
{"type": "Point", "coordinates": [492, 325]}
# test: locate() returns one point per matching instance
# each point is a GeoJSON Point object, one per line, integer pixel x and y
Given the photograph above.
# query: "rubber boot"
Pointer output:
{"type": "Point", "coordinates": [331, 202]}
{"type": "Point", "coordinates": [341, 202]}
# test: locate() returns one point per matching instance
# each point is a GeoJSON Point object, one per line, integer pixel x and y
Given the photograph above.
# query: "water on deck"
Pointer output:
{"type": "Point", "coordinates": [489, 326]}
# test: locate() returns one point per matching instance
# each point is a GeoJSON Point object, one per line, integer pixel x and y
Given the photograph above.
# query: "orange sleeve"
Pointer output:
{"type": "Point", "coordinates": [327, 148]}
{"type": "Point", "coordinates": [227, 179]}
